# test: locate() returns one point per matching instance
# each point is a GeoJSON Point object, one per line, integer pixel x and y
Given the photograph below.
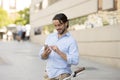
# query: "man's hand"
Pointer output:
{"type": "Point", "coordinates": [57, 50]}
{"type": "Point", "coordinates": [46, 52]}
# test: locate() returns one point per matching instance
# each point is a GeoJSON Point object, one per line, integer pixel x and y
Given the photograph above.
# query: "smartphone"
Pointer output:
{"type": "Point", "coordinates": [45, 47]}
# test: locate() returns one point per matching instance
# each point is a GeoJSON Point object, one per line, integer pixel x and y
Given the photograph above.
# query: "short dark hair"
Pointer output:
{"type": "Point", "coordinates": [61, 17]}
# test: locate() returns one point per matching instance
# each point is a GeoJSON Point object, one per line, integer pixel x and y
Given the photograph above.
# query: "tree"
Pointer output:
{"type": "Point", "coordinates": [23, 17]}
{"type": "Point", "coordinates": [4, 19]}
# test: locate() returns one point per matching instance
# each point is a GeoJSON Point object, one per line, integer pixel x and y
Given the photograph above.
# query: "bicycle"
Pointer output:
{"type": "Point", "coordinates": [74, 74]}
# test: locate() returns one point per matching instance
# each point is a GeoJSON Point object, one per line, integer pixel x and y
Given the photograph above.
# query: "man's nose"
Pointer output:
{"type": "Point", "coordinates": [57, 27]}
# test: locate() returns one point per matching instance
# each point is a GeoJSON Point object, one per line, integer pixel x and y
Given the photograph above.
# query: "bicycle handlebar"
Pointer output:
{"type": "Point", "coordinates": [79, 70]}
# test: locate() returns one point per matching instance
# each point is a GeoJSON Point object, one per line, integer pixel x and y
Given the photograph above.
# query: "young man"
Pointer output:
{"type": "Point", "coordinates": [60, 50]}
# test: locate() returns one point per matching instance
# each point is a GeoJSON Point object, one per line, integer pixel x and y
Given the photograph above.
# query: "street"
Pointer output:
{"type": "Point", "coordinates": [20, 61]}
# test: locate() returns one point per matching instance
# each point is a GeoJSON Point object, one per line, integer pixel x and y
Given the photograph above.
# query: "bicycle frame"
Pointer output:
{"type": "Point", "coordinates": [75, 73]}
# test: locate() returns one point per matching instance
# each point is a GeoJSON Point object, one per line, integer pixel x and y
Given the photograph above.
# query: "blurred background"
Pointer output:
{"type": "Point", "coordinates": [14, 19]}
{"type": "Point", "coordinates": [95, 24]}
{"type": "Point", "coordinates": [25, 24]}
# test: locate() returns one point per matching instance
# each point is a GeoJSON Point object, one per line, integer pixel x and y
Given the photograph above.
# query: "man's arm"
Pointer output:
{"type": "Point", "coordinates": [63, 55]}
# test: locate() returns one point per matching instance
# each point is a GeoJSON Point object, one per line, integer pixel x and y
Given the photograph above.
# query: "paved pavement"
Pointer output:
{"type": "Point", "coordinates": [20, 61]}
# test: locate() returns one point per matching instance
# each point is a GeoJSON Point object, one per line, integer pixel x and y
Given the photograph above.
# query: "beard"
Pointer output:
{"type": "Point", "coordinates": [61, 31]}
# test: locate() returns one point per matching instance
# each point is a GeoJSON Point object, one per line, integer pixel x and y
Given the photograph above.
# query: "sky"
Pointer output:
{"type": "Point", "coordinates": [20, 4]}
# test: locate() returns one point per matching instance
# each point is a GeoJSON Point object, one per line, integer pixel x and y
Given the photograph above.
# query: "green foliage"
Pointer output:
{"type": "Point", "coordinates": [24, 17]}
{"type": "Point", "coordinates": [48, 28]}
{"type": "Point", "coordinates": [79, 20]}
{"type": "Point", "coordinates": [105, 23]}
{"type": "Point", "coordinates": [4, 19]}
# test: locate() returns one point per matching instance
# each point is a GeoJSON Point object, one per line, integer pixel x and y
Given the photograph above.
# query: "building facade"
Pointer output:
{"type": "Point", "coordinates": [98, 44]}
{"type": "Point", "coordinates": [42, 11]}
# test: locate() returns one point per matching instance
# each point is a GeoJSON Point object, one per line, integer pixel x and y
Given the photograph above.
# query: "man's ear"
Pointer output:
{"type": "Point", "coordinates": [66, 24]}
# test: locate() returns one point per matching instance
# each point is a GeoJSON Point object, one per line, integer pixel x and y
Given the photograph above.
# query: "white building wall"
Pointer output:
{"type": "Point", "coordinates": [107, 4]}
{"type": "Point", "coordinates": [72, 8]}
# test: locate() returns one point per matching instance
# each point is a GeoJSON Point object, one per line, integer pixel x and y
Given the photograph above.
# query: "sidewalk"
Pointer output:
{"type": "Point", "coordinates": [20, 61]}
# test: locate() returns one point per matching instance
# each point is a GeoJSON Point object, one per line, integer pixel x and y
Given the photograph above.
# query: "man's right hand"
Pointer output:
{"type": "Point", "coordinates": [46, 52]}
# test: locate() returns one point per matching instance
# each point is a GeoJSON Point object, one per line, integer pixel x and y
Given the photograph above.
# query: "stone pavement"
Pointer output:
{"type": "Point", "coordinates": [20, 61]}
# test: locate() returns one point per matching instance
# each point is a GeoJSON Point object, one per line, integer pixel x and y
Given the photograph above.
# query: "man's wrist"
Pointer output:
{"type": "Point", "coordinates": [45, 55]}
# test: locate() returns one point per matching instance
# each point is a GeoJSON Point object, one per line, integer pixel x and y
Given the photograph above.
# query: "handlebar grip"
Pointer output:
{"type": "Point", "coordinates": [79, 70]}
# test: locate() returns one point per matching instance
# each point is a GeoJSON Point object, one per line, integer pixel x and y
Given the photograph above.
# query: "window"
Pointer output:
{"type": "Point", "coordinates": [50, 2]}
{"type": "Point", "coordinates": [109, 5]}
{"type": "Point", "coordinates": [38, 6]}
{"type": "Point", "coordinates": [45, 4]}
{"type": "Point", "coordinates": [115, 4]}
{"type": "Point", "coordinates": [99, 4]}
